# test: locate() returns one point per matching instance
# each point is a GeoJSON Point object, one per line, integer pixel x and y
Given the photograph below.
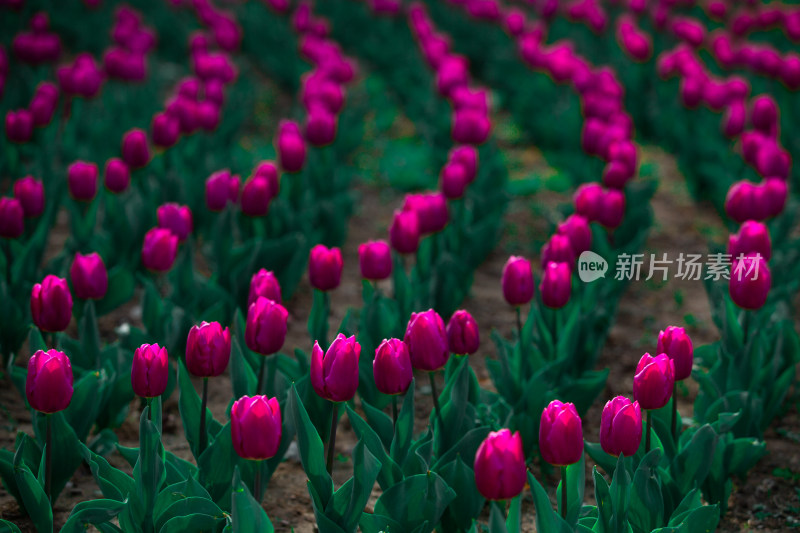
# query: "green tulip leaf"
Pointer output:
{"type": "Point", "coordinates": [92, 512]}
{"type": "Point", "coordinates": [247, 515]}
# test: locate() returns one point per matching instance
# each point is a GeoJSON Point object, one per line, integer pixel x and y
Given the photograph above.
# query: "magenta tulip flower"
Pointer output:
{"type": "Point", "coordinates": [89, 276]}
{"type": "Point", "coordinates": [404, 233]}
{"type": "Point", "coordinates": [467, 156]}
{"type": "Point", "coordinates": [159, 249]}
{"type": "Point", "coordinates": [675, 342]}
{"type": "Point", "coordinates": [325, 267]}
{"type": "Point", "coordinates": [256, 196]}
{"type": "Point", "coordinates": [453, 180]}
{"type": "Point", "coordinates": [30, 193]}
{"type": "Point", "coordinates": [82, 180]}
{"type": "Point", "coordinates": [375, 260]}
{"type": "Point", "coordinates": [135, 151]}
{"type": "Point", "coordinates": [392, 367]}
{"type": "Point", "coordinates": [334, 373]}
{"type": "Point", "coordinates": [558, 250]}
{"type": "Point", "coordinates": [19, 126]}
{"type": "Point", "coordinates": [653, 382]}
{"type": "Point", "coordinates": [12, 218]}
{"type": "Point", "coordinates": [208, 349]}
{"type": "Point", "coordinates": [431, 209]}
{"type": "Point", "coordinates": [463, 337]}
{"type": "Point", "coordinates": [117, 175]}
{"type": "Point", "coordinates": [48, 385]}
{"type": "Point", "coordinates": [426, 338]}
{"type": "Point", "coordinates": [165, 130]}
{"type": "Point", "coordinates": [621, 427]}
{"type": "Point", "coordinates": [576, 229]}
{"type": "Point", "coordinates": [176, 218]}
{"type": "Point", "coordinates": [265, 331]}
{"type": "Point", "coordinates": [221, 187]}
{"type": "Point", "coordinates": [51, 304]}
{"type": "Point", "coordinates": [264, 283]}
{"type": "Point", "coordinates": [752, 238]}
{"type": "Point", "coordinates": [500, 471]}
{"type": "Point", "coordinates": [44, 103]}
{"type": "Point", "coordinates": [256, 427]}
{"type": "Point", "coordinates": [291, 147]}
{"type": "Point", "coordinates": [750, 281]}
{"type": "Point", "coordinates": [150, 371]}
{"type": "Point", "coordinates": [560, 434]}
{"type": "Point", "coordinates": [320, 125]}
{"type": "Point", "coordinates": [517, 281]}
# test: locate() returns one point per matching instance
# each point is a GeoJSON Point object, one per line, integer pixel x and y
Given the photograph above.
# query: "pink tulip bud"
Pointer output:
{"type": "Point", "coordinates": [48, 386]}
{"type": "Point", "coordinates": [733, 120]}
{"type": "Point", "coordinates": [291, 147]}
{"type": "Point", "coordinates": [82, 181]}
{"type": "Point", "coordinates": [750, 281]}
{"type": "Point", "coordinates": [165, 130]}
{"type": "Point", "coordinates": [652, 384]}
{"type": "Point", "coordinates": [150, 371]}
{"type": "Point", "coordinates": [392, 368]}
{"type": "Point", "coordinates": [30, 193]}
{"type": "Point", "coordinates": [43, 104]}
{"type": "Point", "coordinates": [470, 126]}
{"type": "Point", "coordinates": [12, 223]}
{"type": "Point", "coordinates": [319, 90]}
{"type": "Point", "coordinates": [427, 341]}
{"type": "Point", "coordinates": [320, 126]}
{"type": "Point", "coordinates": [560, 434]}
{"type": "Point", "coordinates": [19, 126]}
{"type": "Point", "coordinates": [556, 285]}
{"type": "Point", "coordinates": [375, 260]}
{"type": "Point", "coordinates": [454, 180]}
{"type": "Point", "coordinates": [621, 427]}
{"type": "Point", "coordinates": [588, 201]}
{"type": "Point", "coordinates": [256, 196]}
{"type": "Point", "coordinates": [159, 249]}
{"type": "Point", "coordinates": [256, 427]}
{"type": "Point", "coordinates": [517, 281]}
{"type": "Point", "coordinates": [677, 344]}
{"type": "Point", "coordinates": [752, 237]}
{"type": "Point", "coordinates": [334, 374]}
{"type": "Point", "coordinates": [764, 113]}
{"type": "Point", "coordinates": [612, 208]}
{"type": "Point", "coordinates": [89, 276]}
{"type": "Point", "coordinates": [176, 218]}
{"type": "Point", "coordinates": [467, 156]}
{"type": "Point", "coordinates": [692, 91]}
{"type": "Point", "coordinates": [463, 337]}
{"type": "Point", "coordinates": [559, 250]}
{"type": "Point", "coordinates": [208, 115]}
{"type": "Point", "coordinates": [208, 350]}
{"type": "Point", "coordinates": [264, 284]}
{"type": "Point", "coordinates": [325, 267]}
{"type": "Point", "coordinates": [515, 22]}
{"type": "Point", "coordinates": [741, 203]}
{"type": "Point", "coordinates": [221, 187]}
{"type": "Point", "coordinates": [431, 209]}
{"type": "Point", "coordinates": [214, 92]}
{"type": "Point", "coordinates": [265, 331]}
{"type": "Point", "coordinates": [576, 229]}
{"type": "Point", "coordinates": [404, 233]}
{"type": "Point", "coordinates": [135, 151]}
{"type": "Point", "coordinates": [790, 72]}
{"type": "Point", "coordinates": [775, 194]}
{"type": "Point", "coordinates": [51, 304]}
{"type": "Point", "coordinates": [117, 175]}
{"type": "Point", "coordinates": [500, 471]}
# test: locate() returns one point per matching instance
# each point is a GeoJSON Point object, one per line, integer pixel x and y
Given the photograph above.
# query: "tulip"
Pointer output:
{"type": "Point", "coordinates": [51, 304]}
{"type": "Point", "coordinates": [559, 250]}
{"type": "Point", "coordinates": [653, 382]}
{"type": "Point", "coordinates": [291, 147]}
{"type": "Point", "coordinates": [82, 180]}
{"type": "Point", "coordinates": [431, 208]}
{"type": "Point", "coordinates": [117, 175]}
{"type": "Point", "coordinates": [733, 121]}
{"type": "Point", "coordinates": [560, 434]}
{"type": "Point", "coordinates": [256, 428]}
{"type": "Point", "coordinates": [500, 471]}
{"type": "Point", "coordinates": [150, 371]}
{"type": "Point", "coordinates": [678, 346]}
{"type": "Point", "coordinates": [165, 130]}
{"type": "Point", "coordinates": [470, 126]}
{"type": "Point", "coordinates": [48, 385]}
{"type": "Point", "coordinates": [741, 202]}
{"type": "Point", "coordinates": [19, 126]}
{"type": "Point", "coordinates": [588, 201]}
{"type": "Point", "coordinates": [268, 171]}
{"type": "Point", "coordinates": [463, 336]}
{"type": "Point", "coordinates": [392, 367]}
{"type": "Point", "coordinates": [556, 285]}
{"type": "Point", "coordinates": [159, 249]}
{"type": "Point", "coordinates": [208, 115]}
{"type": "Point", "coordinates": [325, 267]}
{"type": "Point", "coordinates": [621, 427]}
{"type": "Point", "coordinates": [404, 233]}
{"type": "Point", "coordinates": [256, 196]}
{"type": "Point", "coordinates": [208, 349]}
{"type": "Point", "coordinates": [221, 187]}
{"type": "Point", "coordinates": [576, 229]}
{"type": "Point", "coordinates": [265, 331]}
{"type": "Point", "coordinates": [264, 283]}
{"type": "Point", "coordinates": [750, 281]}
{"type": "Point", "coordinates": [517, 281]}
{"type": "Point", "coordinates": [30, 193]}
{"type": "Point", "coordinates": [43, 104]}
{"type": "Point", "coordinates": [12, 223]}
{"type": "Point", "coordinates": [375, 260]}
{"type": "Point", "coordinates": [320, 125]}
{"type": "Point", "coordinates": [612, 208]}
{"type": "Point", "coordinates": [89, 276]}
{"type": "Point", "coordinates": [774, 198]}
{"type": "Point", "coordinates": [467, 156]}
{"type": "Point", "coordinates": [176, 218]}
{"type": "Point", "coordinates": [752, 237]}
{"type": "Point", "coordinates": [334, 374]}
{"type": "Point", "coordinates": [764, 114]}
{"type": "Point", "coordinates": [454, 180]}
{"type": "Point", "coordinates": [427, 341]}
{"type": "Point", "coordinates": [135, 151]}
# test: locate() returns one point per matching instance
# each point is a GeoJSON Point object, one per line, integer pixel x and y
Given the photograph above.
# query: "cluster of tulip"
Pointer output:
{"type": "Point", "coordinates": [757, 17]}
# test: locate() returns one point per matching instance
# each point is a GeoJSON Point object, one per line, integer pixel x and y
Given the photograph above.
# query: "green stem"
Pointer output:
{"type": "Point", "coordinates": [523, 360]}
{"type": "Point", "coordinates": [7, 250]}
{"type": "Point", "coordinates": [261, 375]}
{"type": "Point", "coordinates": [257, 483]}
{"type": "Point", "coordinates": [675, 410]}
{"type": "Point", "coordinates": [203, 438]}
{"type": "Point", "coordinates": [649, 425]}
{"type": "Point", "coordinates": [332, 438]}
{"type": "Point", "coordinates": [436, 401]}
{"type": "Point", "coordinates": [394, 411]}
{"type": "Point", "coordinates": [149, 402]}
{"type": "Point", "coordinates": [564, 492]}
{"type": "Point", "coordinates": [48, 460]}
{"type": "Point", "coordinates": [745, 325]}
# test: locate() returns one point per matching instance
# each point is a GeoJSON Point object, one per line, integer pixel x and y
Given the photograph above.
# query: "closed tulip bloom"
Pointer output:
{"type": "Point", "coordinates": [774, 198]}
{"type": "Point", "coordinates": [12, 218]}
{"type": "Point", "coordinates": [741, 202]}
{"type": "Point", "coordinates": [165, 130]}
{"type": "Point", "coordinates": [764, 113]}
{"type": "Point", "coordinates": [176, 218]}
{"type": "Point", "coordinates": [256, 196]}
{"type": "Point", "coordinates": [431, 209]}
{"type": "Point", "coordinates": [30, 193]}
{"type": "Point", "coordinates": [208, 115]}
{"type": "Point", "coordinates": [559, 250]}
{"type": "Point", "coordinates": [43, 104]}
{"type": "Point", "coordinates": [159, 249]}
{"type": "Point", "coordinates": [48, 385]}
{"type": "Point", "coordinates": [82, 180]}
{"type": "Point", "coordinates": [51, 304]}
{"type": "Point", "coordinates": [89, 276]}
{"type": "Point", "coordinates": [470, 126]}
{"type": "Point", "coordinates": [265, 331]}
{"type": "Point", "coordinates": [135, 151]}
{"type": "Point", "coordinates": [612, 208]}
{"type": "Point", "coordinates": [463, 336]}
{"type": "Point", "coordinates": [334, 374]}
{"type": "Point", "coordinates": [576, 229]}
{"type": "Point", "coordinates": [454, 180]}
{"type": "Point", "coordinates": [404, 233]}
{"type": "Point", "coordinates": [500, 471]}
{"type": "Point", "coordinates": [621, 427]}
{"type": "Point", "coordinates": [467, 156]}
{"type": "Point", "coordinates": [752, 237]}
{"type": "Point", "coordinates": [150, 371]}
{"type": "Point", "coordinates": [616, 174]}
{"type": "Point", "coordinates": [375, 260]}
{"type": "Point", "coordinates": [392, 367]}
{"type": "Point", "coordinates": [117, 175]}
{"type": "Point", "coordinates": [264, 283]}
{"type": "Point", "coordinates": [733, 120]}
{"type": "Point", "coordinates": [750, 282]}
{"type": "Point", "coordinates": [588, 201]}
{"type": "Point", "coordinates": [677, 344]}
{"type": "Point", "coordinates": [556, 285]}
{"type": "Point", "coordinates": [426, 339]}
{"type": "Point", "coordinates": [561, 434]}
{"type": "Point", "coordinates": [256, 427]}
{"type": "Point", "coordinates": [220, 188]}
{"type": "Point", "coordinates": [19, 126]}
{"type": "Point", "coordinates": [320, 125]}
{"type": "Point", "coordinates": [268, 171]}
{"type": "Point", "coordinates": [208, 349]}
{"type": "Point", "coordinates": [291, 147]}
{"type": "Point", "coordinates": [325, 267]}
{"type": "Point", "coordinates": [653, 381]}
{"type": "Point", "coordinates": [517, 281]}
